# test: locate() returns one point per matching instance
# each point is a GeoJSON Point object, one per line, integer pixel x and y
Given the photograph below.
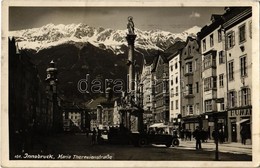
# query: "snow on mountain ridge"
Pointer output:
{"type": "Point", "coordinates": [51, 35]}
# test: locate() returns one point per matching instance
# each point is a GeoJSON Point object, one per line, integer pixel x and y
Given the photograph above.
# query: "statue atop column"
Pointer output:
{"type": "Point", "coordinates": [130, 25]}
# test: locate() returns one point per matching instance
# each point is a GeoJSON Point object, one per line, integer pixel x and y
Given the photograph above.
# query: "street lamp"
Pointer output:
{"type": "Point", "coordinates": [216, 135]}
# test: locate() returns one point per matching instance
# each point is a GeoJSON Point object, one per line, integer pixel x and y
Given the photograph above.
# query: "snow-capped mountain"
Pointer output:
{"type": "Point", "coordinates": [53, 35]}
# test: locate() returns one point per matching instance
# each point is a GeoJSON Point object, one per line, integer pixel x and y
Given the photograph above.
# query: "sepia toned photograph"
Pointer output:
{"type": "Point", "coordinates": [131, 83]}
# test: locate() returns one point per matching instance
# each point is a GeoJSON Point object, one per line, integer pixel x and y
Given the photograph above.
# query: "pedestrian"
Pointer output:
{"type": "Point", "coordinates": [182, 134]}
{"type": "Point", "coordinates": [189, 134]}
{"type": "Point", "coordinates": [175, 134]}
{"type": "Point", "coordinates": [98, 136]}
{"type": "Point", "coordinates": [87, 132]}
{"type": "Point", "coordinates": [221, 136]}
{"type": "Point", "coordinates": [243, 135]}
{"type": "Point", "coordinates": [197, 136]}
{"type": "Point", "coordinates": [93, 139]}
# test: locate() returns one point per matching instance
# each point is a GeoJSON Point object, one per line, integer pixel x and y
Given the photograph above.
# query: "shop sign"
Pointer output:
{"type": "Point", "coordinates": [240, 112]}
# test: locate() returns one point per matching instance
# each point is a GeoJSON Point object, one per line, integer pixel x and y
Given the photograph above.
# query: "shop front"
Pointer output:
{"type": "Point", "coordinates": [190, 123]}
{"type": "Point", "coordinates": [240, 124]}
{"type": "Point", "coordinates": [208, 124]}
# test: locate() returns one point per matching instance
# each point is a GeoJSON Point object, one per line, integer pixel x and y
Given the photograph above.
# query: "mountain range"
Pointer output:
{"type": "Point", "coordinates": [79, 49]}
{"type": "Point", "coordinates": [52, 35]}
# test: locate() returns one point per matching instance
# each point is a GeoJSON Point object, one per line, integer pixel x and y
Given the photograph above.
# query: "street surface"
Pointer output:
{"type": "Point", "coordinates": [81, 145]}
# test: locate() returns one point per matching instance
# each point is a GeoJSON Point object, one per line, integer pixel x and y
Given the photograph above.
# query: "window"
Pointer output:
{"type": "Point", "coordinates": [197, 109]}
{"type": "Point", "coordinates": [221, 80]}
{"type": "Point", "coordinates": [171, 105]}
{"type": "Point", "coordinates": [209, 61]}
{"type": "Point", "coordinates": [210, 83]}
{"type": "Point", "coordinates": [222, 106]}
{"type": "Point", "coordinates": [190, 109]}
{"type": "Point", "coordinates": [214, 81]}
{"type": "Point", "coordinates": [176, 80]}
{"type": "Point", "coordinates": [172, 92]}
{"type": "Point", "coordinates": [204, 44]}
{"type": "Point", "coordinates": [177, 90]}
{"type": "Point", "coordinates": [189, 49]}
{"type": "Point", "coordinates": [230, 39]}
{"type": "Point", "coordinates": [231, 70]}
{"type": "Point", "coordinates": [208, 105]}
{"type": "Point", "coordinates": [221, 57]}
{"type": "Point", "coordinates": [245, 97]}
{"type": "Point", "coordinates": [189, 67]}
{"type": "Point", "coordinates": [243, 67]}
{"type": "Point", "coordinates": [232, 99]}
{"type": "Point", "coordinates": [250, 29]}
{"type": "Point", "coordinates": [189, 89]}
{"type": "Point", "coordinates": [171, 68]}
{"type": "Point", "coordinates": [207, 84]}
{"type": "Point", "coordinates": [197, 87]}
{"type": "Point", "coordinates": [171, 82]}
{"type": "Point", "coordinates": [211, 40]}
{"type": "Point", "coordinates": [176, 104]}
{"type": "Point", "coordinates": [219, 35]}
{"type": "Point", "coordinates": [242, 33]}
{"type": "Point", "coordinates": [176, 65]}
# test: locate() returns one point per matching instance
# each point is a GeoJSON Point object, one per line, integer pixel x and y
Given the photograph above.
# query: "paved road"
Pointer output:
{"type": "Point", "coordinates": [80, 145]}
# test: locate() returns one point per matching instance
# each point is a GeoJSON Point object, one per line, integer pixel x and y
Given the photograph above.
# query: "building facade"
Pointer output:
{"type": "Point", "coordinates": [214, 75]}
{"type": "Point", "coordinates": [227, 65]}
{"type": "Point", "coordinates": [175, 82]}
{"type": "Point", "coordinates": [27, 109]}
{"type": "Point", "coordinates": [191, 105]}
{"type": "Point", "coordinates": [238, 34]}
{"type": "Point", "coordinates": [160, 75]}
{"type": "Point", "coordinates": [146, 81]}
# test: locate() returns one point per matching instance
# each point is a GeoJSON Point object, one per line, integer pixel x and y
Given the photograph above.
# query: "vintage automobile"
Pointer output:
{"type": "Point", "coordinates": [117, 136]}
{"type": "Point", "coordinates": [145, 139]}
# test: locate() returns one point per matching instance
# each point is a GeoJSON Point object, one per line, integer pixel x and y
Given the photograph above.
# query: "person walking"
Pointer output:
{"type": "Point", "coordinates": [98, 136]}
{"type": "Point", "coordinates": [221, 136]}
{"type": "Point", "coordinates": [243, 135]}
{"type": "Point", "coordinates": [197, 136]}
{"type": "Point", "coordinates": [93, 139]}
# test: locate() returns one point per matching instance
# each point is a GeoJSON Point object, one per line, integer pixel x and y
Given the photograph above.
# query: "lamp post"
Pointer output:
{"type": "Point", "coordinates": [216, 135]}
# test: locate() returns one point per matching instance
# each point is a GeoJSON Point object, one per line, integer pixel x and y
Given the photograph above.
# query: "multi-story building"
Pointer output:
{"type": "Point", "coordinates": [160, 76]}
{"type": "Point", "coordinates": [226, 47]}
{"type": "Point", "coordinates": [191, 105]}
{"type": "Point", "coordinates": [27, 109]}
{"type": "Point", "coordinates": [146, 81]}
{"type": "Point", "coordinates": [175, 81]}
{"type": "Point", "coordinates": [238, 35]}
{"type": "Point", "coordinates": [213, 74]}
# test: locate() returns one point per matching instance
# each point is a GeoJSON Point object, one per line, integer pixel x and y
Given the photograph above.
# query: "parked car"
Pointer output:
{"type": "Point", "coordinates": [145, 139]}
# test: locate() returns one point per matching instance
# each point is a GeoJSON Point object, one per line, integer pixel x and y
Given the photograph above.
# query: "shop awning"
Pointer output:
{"type": "Point", "coordinates": [242, 121]}
{"type": "Point", "coordinates": [159, 125]}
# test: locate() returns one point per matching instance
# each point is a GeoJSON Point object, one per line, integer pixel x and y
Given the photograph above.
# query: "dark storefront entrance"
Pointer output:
{"type": "Point", "coordinates": [240, 122]}
{"type": "Point", "coordinates": [234, 132]}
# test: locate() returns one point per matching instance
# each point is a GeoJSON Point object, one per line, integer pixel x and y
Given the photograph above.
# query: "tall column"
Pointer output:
{"type": "Point", "coordinates": [131, 71]}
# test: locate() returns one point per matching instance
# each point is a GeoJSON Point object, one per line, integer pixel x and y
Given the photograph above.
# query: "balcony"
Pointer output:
{"type": "Point", "coordinates": [188, 74]}
{"type": "Point", "coordinates": [188, 96]}
{"type": "Point", "coordinates": [209, 72]}
{"type": "Point", "coordinates": [210, 94]}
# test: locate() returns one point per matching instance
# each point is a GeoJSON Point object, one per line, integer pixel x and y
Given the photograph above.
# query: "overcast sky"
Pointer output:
{"type": "Point", "coordinates": [173, 19]}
